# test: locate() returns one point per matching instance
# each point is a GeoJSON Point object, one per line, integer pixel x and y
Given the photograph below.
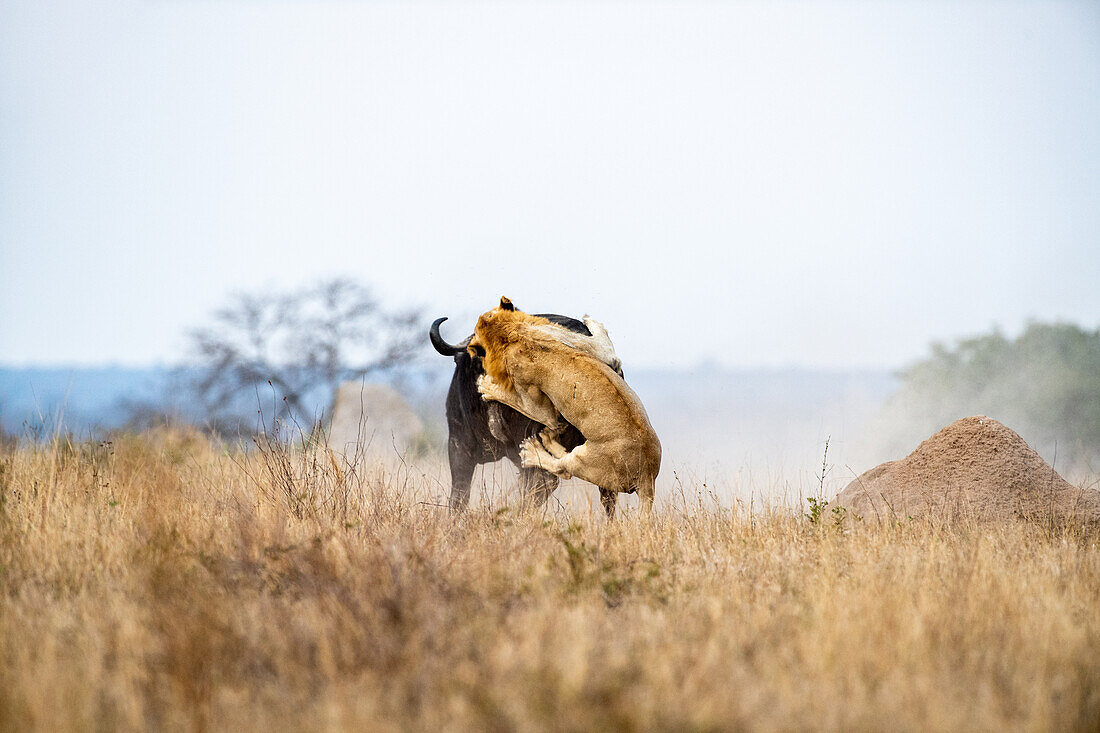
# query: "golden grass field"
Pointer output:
{"type": "Point", "coordinates": [162, 581]}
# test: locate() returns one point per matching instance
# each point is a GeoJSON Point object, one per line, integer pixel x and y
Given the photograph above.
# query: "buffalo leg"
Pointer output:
{"type": "Point", "coordinates": [463, 464]}
{"type": "Point", "coordinates": [536, 486]}
{"type": "Point", "coordinates": [609, 499]}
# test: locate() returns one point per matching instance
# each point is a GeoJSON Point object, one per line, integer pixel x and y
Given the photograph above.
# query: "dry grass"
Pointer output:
{"type": "Point", "coordinates": [161, 582]}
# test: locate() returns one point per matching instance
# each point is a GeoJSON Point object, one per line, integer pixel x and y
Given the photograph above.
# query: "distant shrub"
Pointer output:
{"type": "Point", "coordinates": [292, 349]}
{"type": "Point", "coordinates": [1044, 384]}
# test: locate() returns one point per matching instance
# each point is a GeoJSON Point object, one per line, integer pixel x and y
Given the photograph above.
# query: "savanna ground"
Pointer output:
{"type": "Point", "coordinates": [163, 581]}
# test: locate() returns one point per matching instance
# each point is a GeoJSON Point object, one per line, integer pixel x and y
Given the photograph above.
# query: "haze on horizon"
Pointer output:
{"type": "Point", "coordinates": [832, 184]}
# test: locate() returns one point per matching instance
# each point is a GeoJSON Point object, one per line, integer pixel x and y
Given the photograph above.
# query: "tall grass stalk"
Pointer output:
{"type": "Point", "coordinates": [167, 582]}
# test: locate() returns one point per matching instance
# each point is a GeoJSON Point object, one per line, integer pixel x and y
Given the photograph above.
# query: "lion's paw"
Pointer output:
{"type": "Point", "coordinates": [532, 454]}
{"type": "Point", "coordinates": [487, 387]}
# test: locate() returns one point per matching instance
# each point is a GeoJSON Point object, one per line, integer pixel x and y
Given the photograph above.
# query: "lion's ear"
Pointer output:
{"type": "Point", "coordinates": [506, 305]}
{"type": "Point", "coordinates": [474, 348]}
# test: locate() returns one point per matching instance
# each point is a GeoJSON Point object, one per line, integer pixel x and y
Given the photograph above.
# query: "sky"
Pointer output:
{"type": "Point", "coordinates": [751, 184]}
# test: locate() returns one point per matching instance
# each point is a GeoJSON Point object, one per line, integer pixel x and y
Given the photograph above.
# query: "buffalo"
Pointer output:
{"type": "Point", "coordinates": [484, 432]}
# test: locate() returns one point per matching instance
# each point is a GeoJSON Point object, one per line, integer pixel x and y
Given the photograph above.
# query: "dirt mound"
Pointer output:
{"type": "Point", "coordinates": [975, 467]}
{"type": "Point", "coordinates": [371, 419]}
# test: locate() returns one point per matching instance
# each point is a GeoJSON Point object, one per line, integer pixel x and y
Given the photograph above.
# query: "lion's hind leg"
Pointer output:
{"type": "Point", "coordinates": [646, 492]}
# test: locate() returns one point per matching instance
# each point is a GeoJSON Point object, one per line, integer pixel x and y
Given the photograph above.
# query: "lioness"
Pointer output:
{"type": "Point", "coordinates": [529, 368]}
{"type": "Point", "coordinates": [483, 432]}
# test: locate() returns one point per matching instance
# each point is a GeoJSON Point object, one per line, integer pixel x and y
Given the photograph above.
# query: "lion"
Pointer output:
{"type": "Point", "coordinates": [483, 432]}
{"type": "Point", "coordinates": [529, 368]}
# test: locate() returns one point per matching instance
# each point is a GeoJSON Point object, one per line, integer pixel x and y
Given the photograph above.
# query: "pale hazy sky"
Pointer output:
{"type": "Point", "coordinates": [757, 183]}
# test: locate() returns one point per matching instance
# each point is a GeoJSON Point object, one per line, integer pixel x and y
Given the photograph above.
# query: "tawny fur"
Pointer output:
{"type": "Point", "coordinates": [533, 371]}
{"type": "Point", "coordinates": [598, 344]}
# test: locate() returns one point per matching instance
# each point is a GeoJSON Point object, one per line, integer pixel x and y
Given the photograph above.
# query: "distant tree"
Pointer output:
{"type": "Point", "coordinates": [1045, 384]}
{"type": "Point", "coordinates": [303, 343]}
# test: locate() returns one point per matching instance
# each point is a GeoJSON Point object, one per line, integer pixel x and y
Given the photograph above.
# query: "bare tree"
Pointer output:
{"type": "Point", "coordinates": [301, 343]}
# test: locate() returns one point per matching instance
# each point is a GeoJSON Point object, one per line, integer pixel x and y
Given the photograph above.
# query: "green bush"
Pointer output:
{"type": "Point", "coordinates": [1045, 385]}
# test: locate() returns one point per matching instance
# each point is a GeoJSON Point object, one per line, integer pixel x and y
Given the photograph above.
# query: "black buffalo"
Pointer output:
{"type": "Point", "coordinates": [484, 432]}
